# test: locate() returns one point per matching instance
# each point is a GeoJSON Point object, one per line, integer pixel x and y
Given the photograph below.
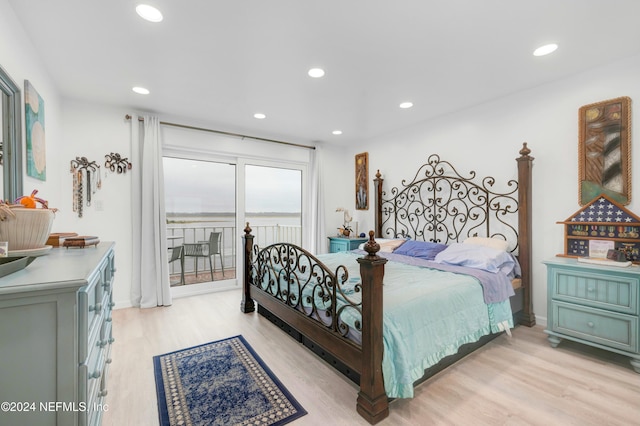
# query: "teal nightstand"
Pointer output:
{"type": "Point", "coordinates": [594, 305]}
{"type": "Point", "coordinates": [337, 244]}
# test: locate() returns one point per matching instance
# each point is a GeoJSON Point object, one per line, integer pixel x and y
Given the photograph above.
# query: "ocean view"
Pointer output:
{"type": "Point", "coordinates": [228, 219]}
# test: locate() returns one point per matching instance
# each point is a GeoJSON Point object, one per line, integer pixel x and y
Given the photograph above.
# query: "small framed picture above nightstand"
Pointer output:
{"type": "Point", "coordinates": [338, 244]}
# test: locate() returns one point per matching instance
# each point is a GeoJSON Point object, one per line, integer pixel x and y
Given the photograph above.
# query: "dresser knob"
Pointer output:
{"type": "Point", "coordinates": [95, 375]}
{"type": "Point", "coordinates": [590, 324]}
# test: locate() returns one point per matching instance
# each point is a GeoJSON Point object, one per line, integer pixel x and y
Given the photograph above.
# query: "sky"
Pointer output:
{"type": "Point", "coordinates": [193, 186]}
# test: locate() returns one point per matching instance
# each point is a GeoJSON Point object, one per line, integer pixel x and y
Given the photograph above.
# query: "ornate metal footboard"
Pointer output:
{"type": "Point", "coordinates": [299, 280]}
{"type": "Point", "coordinates": [303, 293]}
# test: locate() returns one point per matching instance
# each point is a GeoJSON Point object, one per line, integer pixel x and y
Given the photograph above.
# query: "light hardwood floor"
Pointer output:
{"type": "Point", "coordinates": [511, 381]}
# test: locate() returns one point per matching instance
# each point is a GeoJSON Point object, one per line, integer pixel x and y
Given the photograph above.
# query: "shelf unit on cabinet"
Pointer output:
{"type": "Point", "coordinates": [338, 244]}
{"type": "Point", "coordinates": [56, 337]}
{"type": "Point", "coordinates": [595, 305]}
{"type": "Point", "coordinates": [602, 222]}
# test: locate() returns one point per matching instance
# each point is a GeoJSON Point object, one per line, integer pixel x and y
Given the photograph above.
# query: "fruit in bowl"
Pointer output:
{"type": "Point", "coordinates": [24, 225]}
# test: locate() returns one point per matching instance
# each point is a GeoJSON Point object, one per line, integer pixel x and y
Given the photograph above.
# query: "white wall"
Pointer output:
{"type": "Point", "coordinates": [487, 139]}
{"type": "Point", "coordinates": [19, 59]}
{"type": "Point", "coordinates": [93, 131]}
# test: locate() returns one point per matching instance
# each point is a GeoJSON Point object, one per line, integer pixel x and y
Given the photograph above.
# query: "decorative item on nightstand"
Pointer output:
{"type": "Point", "coordinates": [600, 226]}
{"type": "Point", "coordinates": [346, 229]}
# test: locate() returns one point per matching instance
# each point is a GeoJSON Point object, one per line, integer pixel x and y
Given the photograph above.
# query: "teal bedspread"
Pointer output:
{"type": "Point", "coordinates": [428, 315]}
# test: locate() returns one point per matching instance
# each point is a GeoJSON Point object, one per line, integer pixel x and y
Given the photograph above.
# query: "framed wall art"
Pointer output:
{"type": "Point", "coordinates": [34, 125]}
{"type": "Point", "coordinates": [362, 181]}
{"type": "Point", "coordinates": [604, 151]}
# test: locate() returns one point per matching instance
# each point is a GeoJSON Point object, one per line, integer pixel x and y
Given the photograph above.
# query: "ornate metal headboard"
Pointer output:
{"type": "Point", "coordinates": [441, 205]}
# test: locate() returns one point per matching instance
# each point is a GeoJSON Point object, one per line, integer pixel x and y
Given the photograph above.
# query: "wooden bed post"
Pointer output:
{"type": "Point", "coordinates": [372, 403]}
{"type": "Point", "coordinates": [377, 182]}
{"type": "Point", "coordinates": [525, 163]}
{"type": "Point", "coordinates": [247, 305]}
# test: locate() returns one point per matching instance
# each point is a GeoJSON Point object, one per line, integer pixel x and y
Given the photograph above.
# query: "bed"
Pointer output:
{"type": "Point", "coordinates": [388, 319]}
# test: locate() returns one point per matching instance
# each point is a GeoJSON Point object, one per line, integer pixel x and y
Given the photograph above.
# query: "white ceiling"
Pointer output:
{"type": "Point", "coordinates": [220, 61]}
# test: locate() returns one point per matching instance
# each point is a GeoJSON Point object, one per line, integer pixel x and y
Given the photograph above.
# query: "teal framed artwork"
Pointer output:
{"type": "Point", "coordinates": [35, 135]}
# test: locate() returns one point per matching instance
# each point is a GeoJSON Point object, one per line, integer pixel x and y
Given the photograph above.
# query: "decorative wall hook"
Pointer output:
{"type": "Point", "coordinates": [85, 174]}
{"type": "Point", "coordinates": [116, 163]}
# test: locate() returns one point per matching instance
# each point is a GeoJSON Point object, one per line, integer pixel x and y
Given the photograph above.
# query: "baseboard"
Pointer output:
{"type": "Point", "coordinates": [203, 288]}
{"type": "Point", "coordinates": [188, 291]}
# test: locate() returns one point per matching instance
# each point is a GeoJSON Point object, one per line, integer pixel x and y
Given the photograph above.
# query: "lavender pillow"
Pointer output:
{"type": "Point", "coordinates": [421, 249]}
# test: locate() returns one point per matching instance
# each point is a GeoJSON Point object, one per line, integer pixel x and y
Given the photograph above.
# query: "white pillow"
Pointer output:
{"type": "Point", "coordinates": [477, 256]}
{"type": "Point", "coordinates": [390, 246]}
{"type": "Point", "coordinates": [386, 245]}
{"type": "Point", "coordinates": [495, 243]}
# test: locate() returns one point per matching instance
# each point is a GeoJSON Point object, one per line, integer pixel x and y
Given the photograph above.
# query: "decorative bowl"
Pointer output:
{"type": "Point", "coordinates": [26, 228]}
{"type": "Point", "coordinates": [9, 265]}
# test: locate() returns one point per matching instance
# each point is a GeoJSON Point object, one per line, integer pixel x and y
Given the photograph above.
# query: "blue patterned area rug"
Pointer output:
{"type": "Point", "coordinates": [221, 383]}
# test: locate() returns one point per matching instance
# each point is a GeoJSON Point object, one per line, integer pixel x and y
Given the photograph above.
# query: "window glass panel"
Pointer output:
{"type": "Point", "coordinates": [200, 199]}
{"type": "Point", "coordinates": [273, 204]}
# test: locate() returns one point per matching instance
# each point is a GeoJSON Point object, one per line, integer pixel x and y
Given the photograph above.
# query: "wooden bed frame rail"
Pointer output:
{"type": "Point", "coordinates": [372, 402]}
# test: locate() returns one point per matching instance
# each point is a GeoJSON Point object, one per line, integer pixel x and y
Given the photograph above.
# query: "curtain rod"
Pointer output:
{"type": "Point", "coordinates": [220, 132]}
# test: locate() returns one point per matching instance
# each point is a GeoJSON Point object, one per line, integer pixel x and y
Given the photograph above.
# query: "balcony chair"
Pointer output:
{"type": "Point", "coordinates": [177, 253]}
{"type": "Point", "coordinates": [206, 249]}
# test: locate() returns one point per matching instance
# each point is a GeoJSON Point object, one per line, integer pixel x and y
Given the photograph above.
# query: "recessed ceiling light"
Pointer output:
{"type": "Point", "coordinates": [259, 116]}
{"type": "Point", "coordinates": [141, 90]}
{"type": "Point", "coordinates": [337, 132]}
{"type": "Point", "coordinates": [149, 13]}
{"type": "Point", "coordinates": [406, 105]}
{"type": "Point", "coordinates": [316, 72]}
{"type": "Point", "coordinates": [545, 50]}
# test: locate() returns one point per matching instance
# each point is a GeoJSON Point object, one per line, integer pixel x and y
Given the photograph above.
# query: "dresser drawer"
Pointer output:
{"type": "Point", "coordinates": [90, 316]}
{"type": "Point", "coordinates": [337, 244]}
{"type": "Point", "coordinates": [107, 271]}
{"type": "Point", "coordinates": [617, 293]}
{"type": "Point", "coordinates": [595, 325]}
{"type": "Point", "coordinates": [335, 247]}
{"type": "Point", "coordinates": [93, 381]}
{"type": "Point", "coordinates": [89, 415]}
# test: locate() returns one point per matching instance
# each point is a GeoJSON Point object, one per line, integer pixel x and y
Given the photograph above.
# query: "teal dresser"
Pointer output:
{"type": "Point", "coordinates": [56, 338]}
{"type": "Point", "coordinates": [337, 244]}
{"type": "Point", "coordinates": [596, 305]}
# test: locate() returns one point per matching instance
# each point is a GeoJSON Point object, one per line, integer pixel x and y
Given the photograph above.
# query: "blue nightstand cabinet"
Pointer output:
{"type": "Point", "coordinates": [337, 244]}
{"type": "Point", "coordinates": [596, 305]}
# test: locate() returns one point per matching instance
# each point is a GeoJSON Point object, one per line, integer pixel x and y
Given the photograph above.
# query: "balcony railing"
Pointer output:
{"type": "Point", "coordinates": [264, 235]}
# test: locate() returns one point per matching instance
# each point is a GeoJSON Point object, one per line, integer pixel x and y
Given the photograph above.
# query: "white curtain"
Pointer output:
{"type": "Point", "coordinates": [150, 271]}
{"type": "Point", "coordinates": [318, 235]}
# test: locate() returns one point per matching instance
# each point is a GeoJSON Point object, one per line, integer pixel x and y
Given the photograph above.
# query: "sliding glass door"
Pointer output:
{"type": "Point", "coordinates": [208, 202]}
{"type": "Point", "coordinates": [273, 204]}
{"type": "Point", "coordinates": [200, 204]}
